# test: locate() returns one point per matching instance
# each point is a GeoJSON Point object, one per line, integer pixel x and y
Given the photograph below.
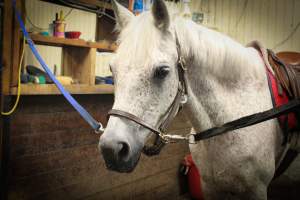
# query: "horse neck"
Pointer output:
{"type": "Point", "coordinates": [217, 66]}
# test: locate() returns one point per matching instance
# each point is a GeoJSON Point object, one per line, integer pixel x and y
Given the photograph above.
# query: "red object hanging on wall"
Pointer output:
{"type": "Point", "coordinates": [193, 176]}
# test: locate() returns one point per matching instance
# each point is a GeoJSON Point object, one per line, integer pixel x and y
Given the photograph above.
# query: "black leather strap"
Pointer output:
{"type": "Point", "coordinates": [292, 106]}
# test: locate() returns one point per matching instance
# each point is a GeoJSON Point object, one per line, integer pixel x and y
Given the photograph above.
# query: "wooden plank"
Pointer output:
{"type": "Point", "coordinates": [81, 181]}
{"type": "Point", "coordinates": [61, 42]}
{"type": "Point", "coordinates": [288, 23]}
{"type": "Point", "coordinates": [79, 63]}
{"type": "Point", "coordinates": [98, 3]}
{"type": "Point", "coordinates": [26, 145]}
{"type": "Point", "coordinates": [51, 89]}
{"type": "Point", "coordinates": [252, 17]}
{"type": "Point", "coordinates": [33, 165]}
{"type": "Point", "coordinates": [239, 22]}
{"type": "Point", "coordinates": [52, 162]}
{"type": "Point", "coordinates": [59, 121]}
{"type": "Point", "coordinates": [264, 21]}
{"type": "Point", "coordinates": [7, 47]}
{"type": "Point", "coordinates": [271, 39]}
{"type": "Point", "coordinates": [92, 67]}
{"type": "Point", "coordinates": [16, 47]}
{"type": "Point", "coordinates": [54, 140]}
{"type": "Point", "coordinates": [38, 124]}
{"type": "Point", "coordinates": [29, 105]}
{"type": "Point", "coordinates": [105, 29]}
{"type": "Point", "coordinates": [257, 20]}
{"type": "Point", "coordinates": [226, 20]}
{"type": "Point", "coordinates": [160, 186]}
{"type": "Point", "coordinates": [296, 37]}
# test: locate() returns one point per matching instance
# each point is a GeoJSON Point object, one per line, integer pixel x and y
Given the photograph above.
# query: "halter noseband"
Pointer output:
{"type": "Point", "coordinates": [159, 130]}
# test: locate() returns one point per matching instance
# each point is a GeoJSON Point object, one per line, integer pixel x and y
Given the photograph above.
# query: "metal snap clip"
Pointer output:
{"type": "Point", "coordinates": [101, 129]}
{"type": "Point", "coordinates": [191, 139]}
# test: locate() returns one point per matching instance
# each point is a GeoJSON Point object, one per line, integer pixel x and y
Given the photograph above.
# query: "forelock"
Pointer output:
{"type": "Point", "coordinates": [141, 41]}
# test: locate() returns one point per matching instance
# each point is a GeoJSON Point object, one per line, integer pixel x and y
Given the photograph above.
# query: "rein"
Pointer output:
{"type": "Point", "coordinates": [249, 120]}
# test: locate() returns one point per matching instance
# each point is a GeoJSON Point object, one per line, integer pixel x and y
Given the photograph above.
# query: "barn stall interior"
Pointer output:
{"type": "Point", "coordinates": [49, 152]}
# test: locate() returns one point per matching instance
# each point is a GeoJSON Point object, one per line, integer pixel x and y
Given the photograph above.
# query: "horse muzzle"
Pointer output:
{"type": "Point", "coordinates": [119, 154]}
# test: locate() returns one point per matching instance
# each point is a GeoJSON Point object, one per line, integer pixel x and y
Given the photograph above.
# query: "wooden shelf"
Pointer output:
{"type": "Point", "coordinates": [63, 42]}
{"type": "Point", "coordinates": [97, 3]}
{"type": "Point", "coordinates": [51, 89]}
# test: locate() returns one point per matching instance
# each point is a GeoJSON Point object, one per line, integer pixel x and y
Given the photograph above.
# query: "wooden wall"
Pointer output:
{"type": "Point", "coordinates": [54, 155]}
{"type": "Point", "coordinates": [269, 21]}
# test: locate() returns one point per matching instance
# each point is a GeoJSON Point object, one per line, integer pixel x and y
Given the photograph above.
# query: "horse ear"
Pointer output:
{"type": "Point", "coordinates": [160, 14]}
{"type": "Point", "coordinates": [122, 14]}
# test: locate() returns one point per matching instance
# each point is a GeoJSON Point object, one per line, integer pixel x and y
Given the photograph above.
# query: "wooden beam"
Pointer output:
{"type": "Point", "coordinates": [51, 89]}
{"type": "Point", "coordinates": [105, 29]}
{"type": "Point", "coordinates": [79, 63]}
{"type": "Point", "coordinates": [63, 42]}
{"type": "Point", "coordinates": [97, 3]}
{"type": "Point", "coordinates": [16, 53]}
{"type": "Point", "coordinates": [7, 47]}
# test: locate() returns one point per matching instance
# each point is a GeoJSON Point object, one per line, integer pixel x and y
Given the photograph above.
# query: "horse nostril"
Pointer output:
{"type": "Point", "coordinates": [114, 150]}
{"type": "Point", "coordinates": [123, 150]}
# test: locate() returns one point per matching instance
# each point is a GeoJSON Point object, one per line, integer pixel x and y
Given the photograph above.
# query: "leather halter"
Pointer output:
{"type": "Point", "coordinates": [173, 109]}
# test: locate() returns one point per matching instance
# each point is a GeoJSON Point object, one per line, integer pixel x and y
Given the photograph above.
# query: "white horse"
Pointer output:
{"type": "Point", "coordinates": [225, 81]}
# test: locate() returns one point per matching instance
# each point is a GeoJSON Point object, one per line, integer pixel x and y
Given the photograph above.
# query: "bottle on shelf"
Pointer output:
{"type": "Point", "coordinates": [59, 25]}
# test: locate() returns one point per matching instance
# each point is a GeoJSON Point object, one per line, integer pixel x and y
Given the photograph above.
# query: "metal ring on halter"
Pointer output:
{"type": "Point", "coordinates": [184, 99]}
{"type": "Point", "coordinates": [101, 129]}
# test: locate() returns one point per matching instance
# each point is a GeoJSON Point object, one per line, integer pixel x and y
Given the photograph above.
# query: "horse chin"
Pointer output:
{"type": "Point", "coordinates": [123, 166]}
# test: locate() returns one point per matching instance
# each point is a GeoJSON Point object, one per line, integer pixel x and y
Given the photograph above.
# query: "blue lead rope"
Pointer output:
{"type": "Point", "coordinates": [84, 114]}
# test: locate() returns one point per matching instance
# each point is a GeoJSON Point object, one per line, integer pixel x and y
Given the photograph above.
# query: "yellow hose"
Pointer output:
{"type": "Point", "coordinates": [19, 83]}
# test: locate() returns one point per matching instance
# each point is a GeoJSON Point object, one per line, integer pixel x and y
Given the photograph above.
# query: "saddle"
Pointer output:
{"type": "Point", "coordinates": [286, 67]}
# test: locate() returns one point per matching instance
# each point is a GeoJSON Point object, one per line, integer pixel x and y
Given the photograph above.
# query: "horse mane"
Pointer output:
{"type": "Point", "coordinates": [215, 52]}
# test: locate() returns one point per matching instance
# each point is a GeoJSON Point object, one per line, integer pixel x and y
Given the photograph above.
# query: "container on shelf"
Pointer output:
{"type": "Point", "coordinates": [59, 29]}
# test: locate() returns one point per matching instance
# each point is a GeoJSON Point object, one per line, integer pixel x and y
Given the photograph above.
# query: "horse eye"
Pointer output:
{"type": "Point", "coordinates": [161, 72]}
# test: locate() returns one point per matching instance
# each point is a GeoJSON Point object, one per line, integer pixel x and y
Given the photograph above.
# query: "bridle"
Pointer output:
{"type": "Point", "coordinates": [176, 105]}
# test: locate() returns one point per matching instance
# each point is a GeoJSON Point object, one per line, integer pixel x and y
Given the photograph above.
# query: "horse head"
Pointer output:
{"type": "Point", "coordinates": [146, 82]}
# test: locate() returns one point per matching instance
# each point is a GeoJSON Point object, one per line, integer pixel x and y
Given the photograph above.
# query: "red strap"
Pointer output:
{"type": "Point", "coordinates": [281, 98]}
